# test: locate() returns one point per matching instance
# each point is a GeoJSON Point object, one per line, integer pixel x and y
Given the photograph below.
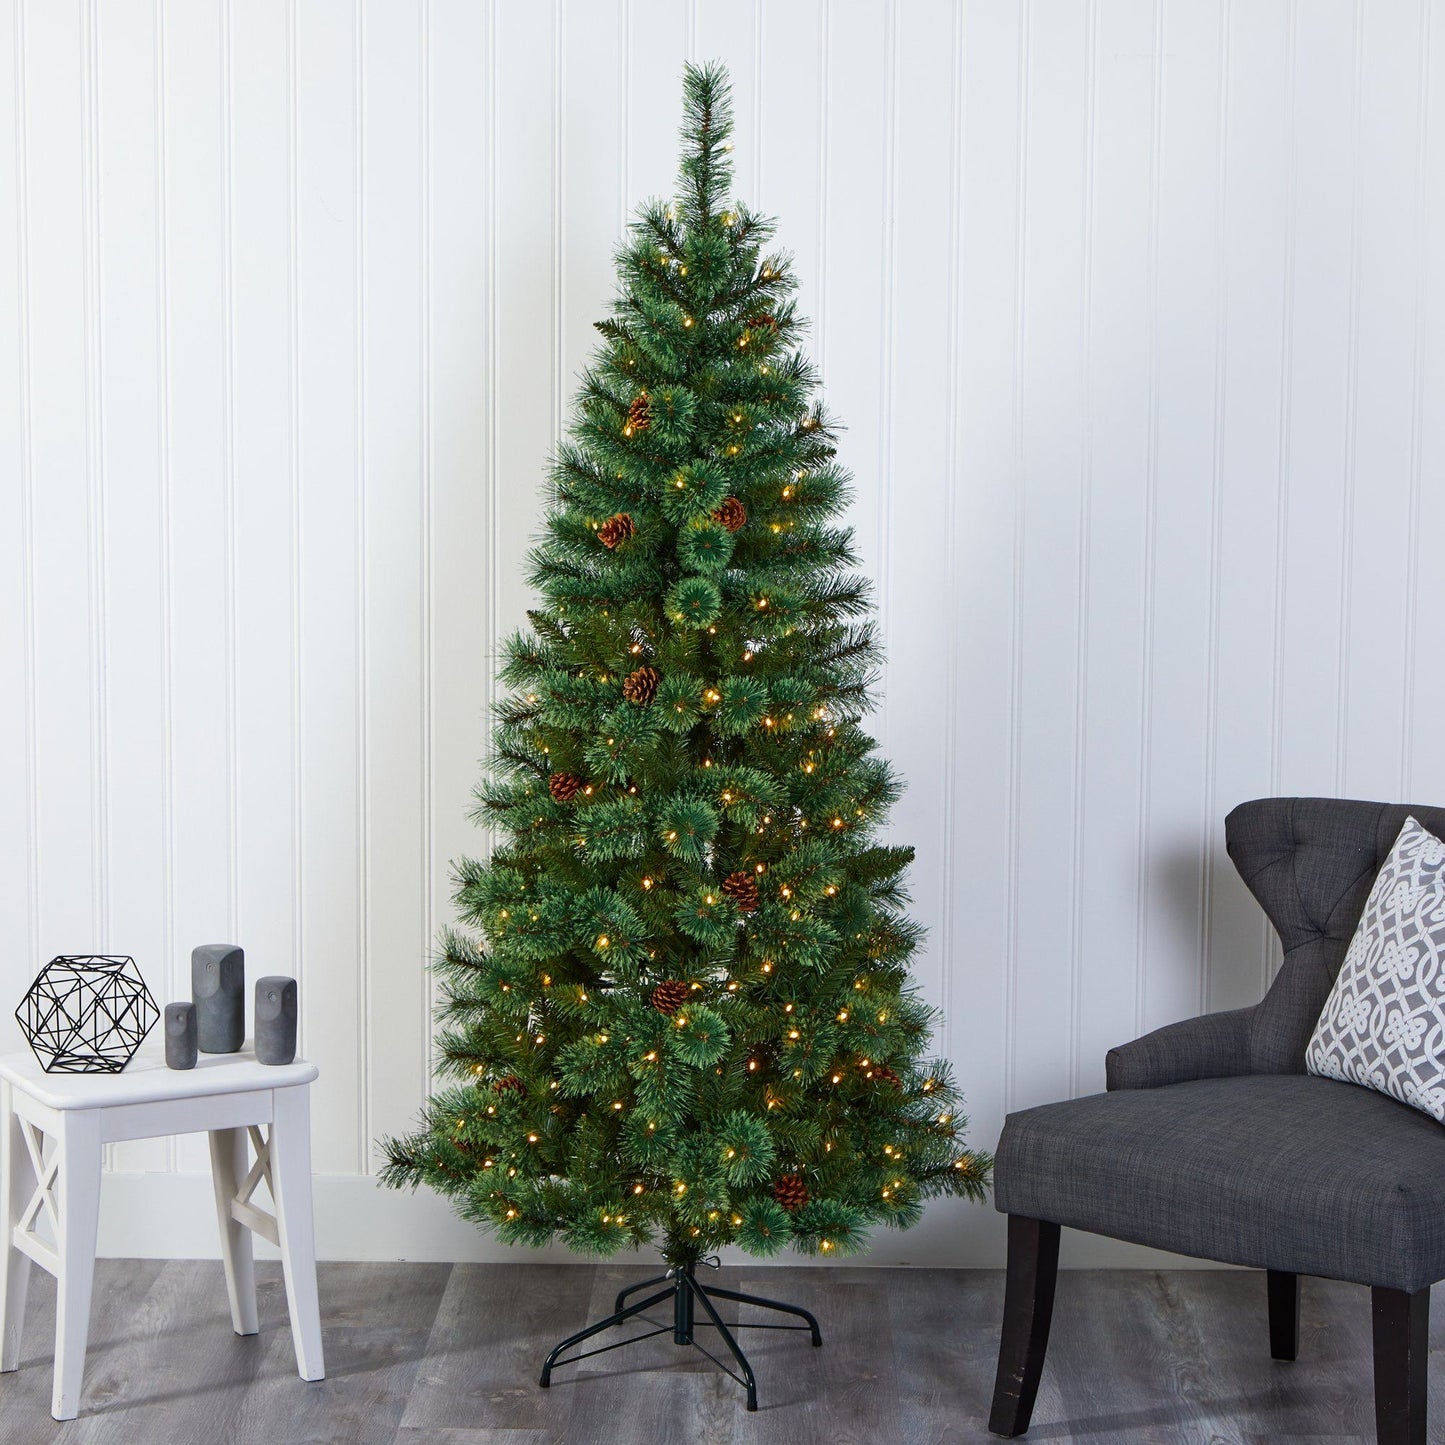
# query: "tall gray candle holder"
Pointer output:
{"type": "Point", "coordinates": [218, 985]}
{"type": "Point", "coordinates": [275, 1020]}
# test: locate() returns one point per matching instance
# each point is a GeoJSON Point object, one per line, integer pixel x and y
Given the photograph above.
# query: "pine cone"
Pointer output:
{"type": "Point", "coordinates": [732, 514]}
{"type": "Point", "coordinates": [564, 786]}
{"type": "Point", "coordinates": [641, 686]}
{"type": "Point", "coordinates": [511, 1084]}
{"type": "Point", "coordinates": [668, 997]}
{"type": "Point", "coordinates": [639, 415]}
{"type": "Point", "coordinates": [616, 529]}
{"type": "Point", "coordinates": [882, 1074]}
{"type": "Point", "coordinates": [765, 322]}
{"type": "Point", "coordinates": [791, 1192]}
{"type": "Point", "coordinates": [742, 888]}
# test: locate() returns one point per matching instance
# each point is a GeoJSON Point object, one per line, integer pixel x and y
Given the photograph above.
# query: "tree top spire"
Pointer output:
{"type": "Point", "coordinates": [705, 171]}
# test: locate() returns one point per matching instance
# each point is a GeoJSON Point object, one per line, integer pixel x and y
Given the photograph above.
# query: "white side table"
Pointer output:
{"type": "Point", "coordinates": [52, 1128]}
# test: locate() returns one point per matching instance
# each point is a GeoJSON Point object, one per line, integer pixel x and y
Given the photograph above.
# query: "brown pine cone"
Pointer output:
{"type": "Point", "coordinates": [511, 1084]}
{"type": "Point", "coordinates": [791, 1192]}
{"type": "Point", "coordinates": [641, 686]}
{"type": "Point", "coordinates": [616, 529]}
{"type": "Point", "coordinates": [742, 888]}
{"type": "Point", "coordinates": [732, 514]}
{"type": "Point", "coordinates": [668, 997]}
{"type": "Point", "coordinates": [639, 415]}
{"type": "Point", "coordinates": [882, 1074]}
{"type": "Point", "coordinates": [765, 322]}
{"type": "Point", "coordinates": [564, 786]}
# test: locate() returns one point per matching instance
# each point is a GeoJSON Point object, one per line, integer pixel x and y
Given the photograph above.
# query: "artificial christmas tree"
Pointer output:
{"type": "Point", "coordinates": [690, 1021]}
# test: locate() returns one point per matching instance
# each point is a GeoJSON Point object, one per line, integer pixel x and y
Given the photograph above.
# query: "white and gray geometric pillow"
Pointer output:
{"type": "Point", "coordinates": [1383, 1025]}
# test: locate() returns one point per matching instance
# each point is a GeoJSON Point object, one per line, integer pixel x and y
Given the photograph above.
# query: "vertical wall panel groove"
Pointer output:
{"type": "Point", "coordinates": [1279, 601]}
{"type": "Point", "coordinates": [1113, 436]}
{"type": "Point", "coordinates": [364, 1032]}
{"type": "Point", "coordinates": [1209, 823]}
{"type": "Point", "coordinates": [947, 936]}
{"type": "Point", "coordinates": [1347, 569]}
{"type": "Point", "coordinates": [192, 74]}
{"type": "Point", "coordinates": [493, 540]}
{"type": "Point", "coordinates": [757, 118]}
{"type": "Point", "coordinates": [95, 468]}
{"type": "Point", "coordinates": [888, 320]}
{"type": "Point", "coordinates": [27, 484]}
{"type": "Point", "coordinates": [124, 460]}
{"type": "Point", "coordinates": [558, 202]}
{"type": "Point", "coordinates": [1016, 600]}
{"type": "Point", "coordinates": [1146, 654]}
{"type": "Point", "coordinates": [1079, 797]}
{"type": "Point", "coordinates": [820, 322]}
{"type": "Point", "coordinates": [1417, 371]}
{"type": "Point", "coordinates": [1286, 371]}
{"type": "Point", "coordinates": [624, 116]}
{"type": "Point", "coordinates": [395, 597]}
{"type": "Point", "coordinates": [228, 445]}
{"type": "Point", "coordinates": [427, 461]}
{"type": "Point", "coordinates": [297, 541]}
{"type": "Point", "coordinates": [176, 983]}
{"type": "Point", "coordinates": [1282, 446]}
{"type": "Point", "coordinates": [95, 486]}
{"type": "Point", "coordinates": [457, 363]}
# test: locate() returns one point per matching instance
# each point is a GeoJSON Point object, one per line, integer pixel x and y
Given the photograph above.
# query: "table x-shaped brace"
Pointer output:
{"type": "Point", "coordinates": [26, 1236]}
{"type": "Point", "coordinates": [243, 1211]}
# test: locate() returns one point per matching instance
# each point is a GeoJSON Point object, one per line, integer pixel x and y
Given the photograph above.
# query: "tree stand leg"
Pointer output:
{"type": "Point", "coordinates": [770, 1304]}
{"type": "Point", "coordinates": [633, 1289]}
{"type": "Point", "coordinates": [619, 1317]}
{"type": "Point", "coordinates": [684, 1293]}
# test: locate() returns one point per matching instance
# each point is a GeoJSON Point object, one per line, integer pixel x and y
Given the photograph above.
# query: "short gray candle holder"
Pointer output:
{"type": "Point", "coordinates": [180, 1036]}
{"type": "Point", "coordinates": [275, 1020]}
{"type": "Point", "coordinates": [218, 985]}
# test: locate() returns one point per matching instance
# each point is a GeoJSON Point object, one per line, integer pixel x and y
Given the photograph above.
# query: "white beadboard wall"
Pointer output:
{"type": "Point", "coordinates": [1135, 310]}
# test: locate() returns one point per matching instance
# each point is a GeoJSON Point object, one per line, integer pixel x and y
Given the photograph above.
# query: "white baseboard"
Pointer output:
{"type": "Point", "coordinates": [173, 1216]}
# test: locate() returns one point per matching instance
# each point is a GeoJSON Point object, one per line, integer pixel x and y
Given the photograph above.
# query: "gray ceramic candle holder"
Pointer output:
{"type": "Point", "coordinates": [180, 1036]}
{"type": "Point", "coordinates": [275, 1020]}
{"type": "Point", "coordinates": [218, 985]}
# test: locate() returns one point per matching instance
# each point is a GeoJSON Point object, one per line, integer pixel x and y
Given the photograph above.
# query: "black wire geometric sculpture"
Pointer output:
{"type": "Point", "coordinates": [87, 1013]}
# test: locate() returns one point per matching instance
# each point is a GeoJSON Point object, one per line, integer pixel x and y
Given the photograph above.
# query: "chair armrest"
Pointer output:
{"type": "Point", "coordinates": [1207, 1047]}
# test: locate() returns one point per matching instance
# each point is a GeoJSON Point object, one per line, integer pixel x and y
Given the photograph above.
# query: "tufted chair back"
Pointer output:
{"type": "Point", "coordinates": [1310, 862]}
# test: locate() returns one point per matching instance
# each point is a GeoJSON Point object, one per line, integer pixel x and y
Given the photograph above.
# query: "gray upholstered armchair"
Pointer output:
{"type": "Point", "coordinates": [1212, 1140]}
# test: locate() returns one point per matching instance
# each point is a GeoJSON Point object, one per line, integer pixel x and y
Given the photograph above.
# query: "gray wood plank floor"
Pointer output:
{"type": "Point", "coordinates": [448, 1355]}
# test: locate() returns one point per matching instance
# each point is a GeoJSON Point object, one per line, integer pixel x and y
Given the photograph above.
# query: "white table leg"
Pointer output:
{"type": "Point", "coordinates": [291, 1190]}
{"type": "Point", "coordinates": [78, 1195]}
{"type": "Point", "coordinates": [229, 1164]}
{"type": "Point", "coordinates": [17, 1183]}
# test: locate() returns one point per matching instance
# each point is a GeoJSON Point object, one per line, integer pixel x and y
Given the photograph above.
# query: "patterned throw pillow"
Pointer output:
{"type": "Point", "coordinates": [1384, 1023]}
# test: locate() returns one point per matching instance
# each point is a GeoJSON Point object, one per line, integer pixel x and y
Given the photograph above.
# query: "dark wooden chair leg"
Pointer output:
{"type": "Point", "coordinates": [1283, 1315]}
{"type": "Point", "coordinates": [1402, 1355]}
{"type": "Point", "coordinates": [1033, 1266]}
